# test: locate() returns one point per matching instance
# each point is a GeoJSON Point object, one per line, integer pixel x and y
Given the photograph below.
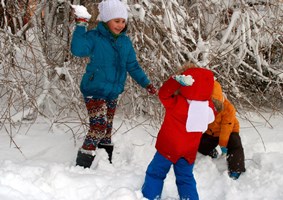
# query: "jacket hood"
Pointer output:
{"type": "Point", "coordinates": [217, 92]}
{"type": "Point", "coordinates": [202, 87]}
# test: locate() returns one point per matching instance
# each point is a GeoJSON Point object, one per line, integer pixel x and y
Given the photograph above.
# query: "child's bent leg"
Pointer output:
{"type": "Point", "coordinates": [111, 108]}
{"type": "Point", "coordinates": [97, 110]}
{"type": "Point", "coordinates": [105, 142]}
{"type": "Point", "coordinates": [155, 175]}
{"type": "Point", "coordinates": [185, 180]}
{"type": "Point", "coordinates": [235, 155]}
{"type": "Point", "coordinates": [207, 144]}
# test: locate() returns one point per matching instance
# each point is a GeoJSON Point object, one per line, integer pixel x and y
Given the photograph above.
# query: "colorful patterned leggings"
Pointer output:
{"type": "Point", "coordinates": [101, 113]}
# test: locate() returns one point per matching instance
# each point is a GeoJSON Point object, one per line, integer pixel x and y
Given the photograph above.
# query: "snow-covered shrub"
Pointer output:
{"type": "Point", "coordinates": [241, 41]}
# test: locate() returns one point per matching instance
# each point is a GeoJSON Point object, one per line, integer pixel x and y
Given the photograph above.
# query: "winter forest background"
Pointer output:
{"type": "Point", "coordinates": [241, 41]}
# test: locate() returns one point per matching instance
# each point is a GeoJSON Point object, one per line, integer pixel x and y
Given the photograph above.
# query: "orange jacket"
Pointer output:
{"type": "Point", "coordinates": [224, 124]}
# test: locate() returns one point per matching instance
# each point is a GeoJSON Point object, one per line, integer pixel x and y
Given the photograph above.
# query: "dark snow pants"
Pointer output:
{"type": "Point", "coordinates": [157, 171]}
{"type": "Point", "coordinates": [235, 154]}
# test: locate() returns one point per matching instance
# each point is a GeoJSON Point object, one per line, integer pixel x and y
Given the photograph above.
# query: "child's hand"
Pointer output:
{"type": "Point", "coordinates": [81, 12]}
{"type": "Point", "coordinates": [224, 151]}
{"type": "Point", "coordinates": [151, 89]}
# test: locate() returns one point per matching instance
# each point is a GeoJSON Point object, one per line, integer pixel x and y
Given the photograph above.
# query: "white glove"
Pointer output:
{"type": "Point", "coordinates": [81, 12]}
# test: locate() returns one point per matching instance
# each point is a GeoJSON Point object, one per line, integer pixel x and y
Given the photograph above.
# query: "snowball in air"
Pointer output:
{"type": "Point", "coordinates": [81, 12]}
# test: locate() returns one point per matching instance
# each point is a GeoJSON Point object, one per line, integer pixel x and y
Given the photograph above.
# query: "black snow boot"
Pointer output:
{"type": "Point", "coordinates": [108, 148]}
{"type": "Point", "coordinates": [85, 158]}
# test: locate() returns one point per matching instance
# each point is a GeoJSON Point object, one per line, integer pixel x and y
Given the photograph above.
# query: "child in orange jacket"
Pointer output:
{"type": "Point", "coordinates": [189, 110]}
{"type": "Point", "coordinates": [224, 131]}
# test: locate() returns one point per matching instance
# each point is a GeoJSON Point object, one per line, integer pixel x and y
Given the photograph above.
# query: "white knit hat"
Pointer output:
{"type": "Point", "coordinates": [112, 9]}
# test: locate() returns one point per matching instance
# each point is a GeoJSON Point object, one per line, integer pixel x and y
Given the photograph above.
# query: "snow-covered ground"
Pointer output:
{"type": "Point", "coordinates": [42, 167]}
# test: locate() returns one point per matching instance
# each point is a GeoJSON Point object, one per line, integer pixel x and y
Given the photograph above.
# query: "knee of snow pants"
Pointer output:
{"type": "Point", "coordinates": [235, 156]}
{"type": "Point", "coordinates": [207, 144]}
{"type": "Point", "coordinates": [155, 175]}
{"type": "Point", "coordinates": [185, 180]}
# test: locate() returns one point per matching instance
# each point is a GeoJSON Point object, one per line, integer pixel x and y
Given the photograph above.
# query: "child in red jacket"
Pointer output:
{"type": "Point", "coordinates": [189, 110]}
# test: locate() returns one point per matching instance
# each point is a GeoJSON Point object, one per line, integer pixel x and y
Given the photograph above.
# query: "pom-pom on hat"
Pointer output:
{"type": "Point", "coordinates": [112, 9]}
{"type": "Point", "coordinates": [202, 87]}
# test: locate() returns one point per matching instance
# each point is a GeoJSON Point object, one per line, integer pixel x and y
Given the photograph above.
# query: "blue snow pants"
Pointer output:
{"type": "Point", "coordinates": [157, 171]}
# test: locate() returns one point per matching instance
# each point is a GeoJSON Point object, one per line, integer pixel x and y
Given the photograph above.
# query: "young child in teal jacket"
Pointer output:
{"type": "Point", "coordinates": [112, 56]}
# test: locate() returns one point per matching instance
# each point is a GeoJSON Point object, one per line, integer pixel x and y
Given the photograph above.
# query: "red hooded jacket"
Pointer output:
{"type": "Point", "coordinates": [173, 141]}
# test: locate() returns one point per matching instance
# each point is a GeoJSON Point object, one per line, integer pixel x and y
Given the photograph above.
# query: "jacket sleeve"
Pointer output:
{"type": "Point", "coordinates": [81, 43]}
{"type": "Point", "coordinates": [227, 123]}
{"type": "Point", "coordinates": [134, 69]}
{"type": "Point", "coordinates": [166, 92]}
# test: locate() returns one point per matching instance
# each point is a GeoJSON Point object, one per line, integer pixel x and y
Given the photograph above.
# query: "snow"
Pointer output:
{"type": "Point", "coordinates": [169, 22]}
{"type": "Point", "coordinates": [234, 19]}
{"type": "Point", "coordinates": [187, 80]}
{"type": "Point", "coordinates": [43, 166]}
{"type": "Point", "coordinates": [81, 11]}
{"type": "Point", "coordinates": [138, 11]}
{"type": "Point", "coordinates": [38, 161]}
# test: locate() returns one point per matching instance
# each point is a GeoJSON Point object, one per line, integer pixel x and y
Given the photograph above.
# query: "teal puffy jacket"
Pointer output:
{"type": "Point", "coordinates": [110, 60]}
